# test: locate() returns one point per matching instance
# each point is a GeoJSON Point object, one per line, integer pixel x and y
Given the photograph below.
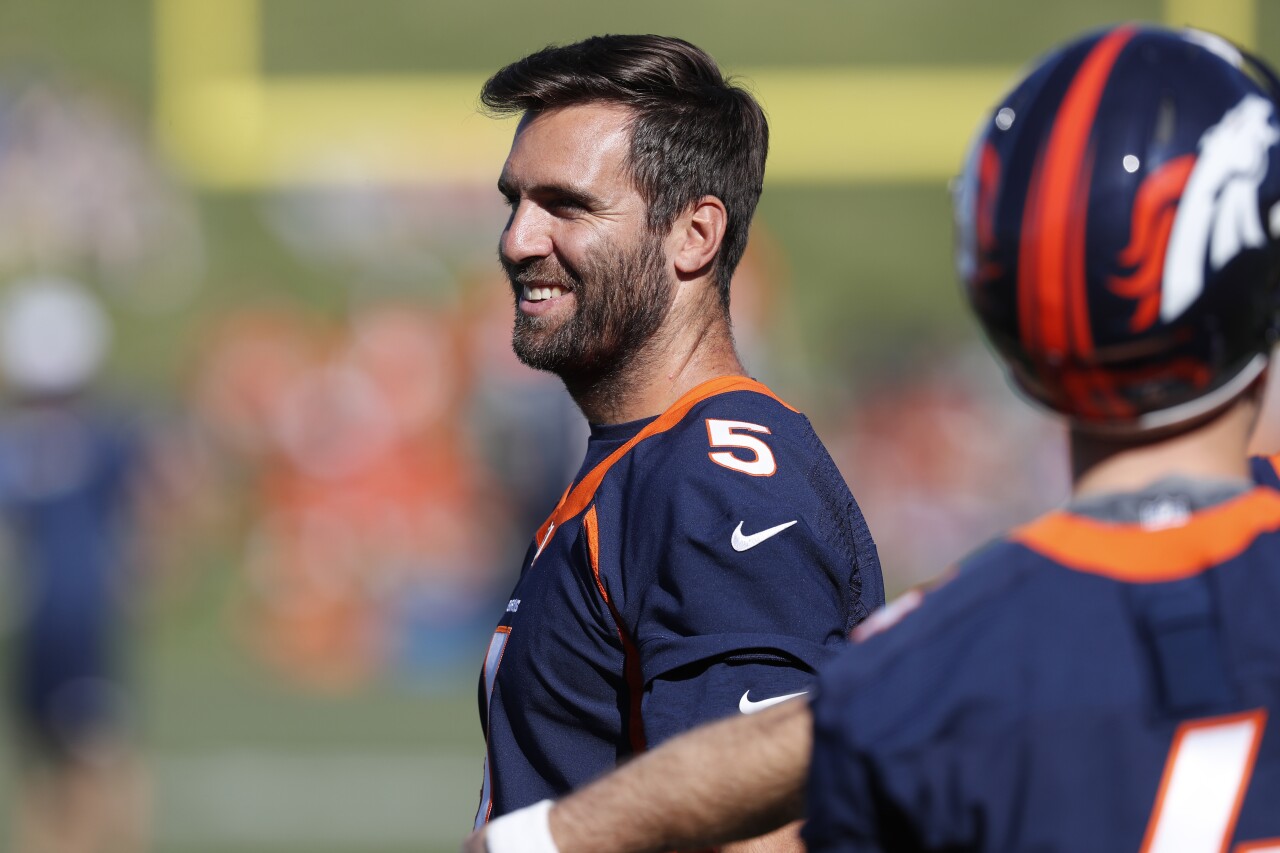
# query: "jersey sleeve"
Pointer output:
{"type": "Point", "coordinates": [753, 573]}
{"type": "Point", "coordinates": [908, 718]}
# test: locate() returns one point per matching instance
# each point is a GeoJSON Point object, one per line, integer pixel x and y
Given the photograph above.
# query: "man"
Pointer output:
{"type": "Point", "coordinates": [1103, 678]}
{"type": "Point", "coordinates": [70, 471]}
{"type": "Point", "coordinates": [708, 556]}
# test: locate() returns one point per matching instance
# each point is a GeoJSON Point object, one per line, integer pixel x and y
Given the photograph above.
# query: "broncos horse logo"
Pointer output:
{"type": "Point", "coordinates": [1197, 206]}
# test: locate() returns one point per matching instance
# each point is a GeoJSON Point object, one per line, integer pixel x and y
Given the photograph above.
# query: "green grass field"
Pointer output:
{"type": "Point", "coordinates": [244, 764]}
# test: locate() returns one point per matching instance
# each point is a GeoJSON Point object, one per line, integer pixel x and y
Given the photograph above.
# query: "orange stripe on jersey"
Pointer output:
{"type": "Point", "coordinates": [592, 524]}
{"type": "Point", "coordinates": [630, 654]}
{"type": "Point", "coordinates": [1052, 278]}
{"type": "Point", "coordinates": [580, 496]}
{"type": "Point", "coordinates": [1266, 845]}
{"type": "Point", "coordinates": [1127, 552]}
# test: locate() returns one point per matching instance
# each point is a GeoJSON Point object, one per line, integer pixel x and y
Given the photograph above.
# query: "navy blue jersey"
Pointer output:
{"type": "Point", "coordinates": [1263, 469]}
{"type": "Point", "coordinates": [1078, 685]}
{"type": "Point", "coordinates": [65, 477]}
{"type": "Point", "coordinates": [702, 561]}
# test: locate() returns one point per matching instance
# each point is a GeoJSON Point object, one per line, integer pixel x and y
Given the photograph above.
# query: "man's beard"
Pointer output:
{"type": "Point", "coordinates": [620, 301]}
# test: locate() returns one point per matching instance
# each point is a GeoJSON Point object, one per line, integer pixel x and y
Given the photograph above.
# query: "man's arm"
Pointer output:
{"type": "Point", "coordinates": [733, 779]}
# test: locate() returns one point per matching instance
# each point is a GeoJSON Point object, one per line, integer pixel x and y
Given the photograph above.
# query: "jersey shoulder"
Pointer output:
{"type": "Point", "coordinates": [748, 455]}
{"type": "Point", "coordinates": [722, 417]}
{"type": "Point", "coordinates": [935, 644]}
{"type": "Point", "coordinates": [1019, 602]}
{"type": "Point", "coordinates": [744, 482]}
{"type": "Point", "coordinates": [971, 592]}
{"type": "Point", "coordinates": [729, 436]}
{"type": "Point", "coordinates": [1265, 470]}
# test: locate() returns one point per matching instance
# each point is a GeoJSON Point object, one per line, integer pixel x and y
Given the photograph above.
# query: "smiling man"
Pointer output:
{"type": "Point", "coordinates": [708, 556]}
{"type": "Point", "coordinates": [1104, 678]}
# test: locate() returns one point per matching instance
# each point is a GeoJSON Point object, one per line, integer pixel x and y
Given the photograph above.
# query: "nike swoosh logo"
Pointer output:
{"type": "Point", "coordinates": [746, 706]}
{"type": "Point", "coordinates": [746, 543]}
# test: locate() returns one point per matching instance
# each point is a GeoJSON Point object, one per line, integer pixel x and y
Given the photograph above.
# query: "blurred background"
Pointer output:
{"type": "Point", "coordinates": [291, 390]}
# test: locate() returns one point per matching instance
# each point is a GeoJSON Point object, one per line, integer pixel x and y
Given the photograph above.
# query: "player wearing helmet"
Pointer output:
{"type": "Point", "coordinates": [69, 479]}
{"type": "Point", "coordinates": [1102, 678]}
{"type": "Point", "coordinates": [1114, 229]}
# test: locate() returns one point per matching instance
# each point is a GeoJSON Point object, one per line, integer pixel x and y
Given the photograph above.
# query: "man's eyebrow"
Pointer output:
{"type": "Point", "coordinates": [557, 191]}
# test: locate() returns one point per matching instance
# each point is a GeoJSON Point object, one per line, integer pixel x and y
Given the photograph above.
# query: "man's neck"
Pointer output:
{"type": "Point", "coordinates": [1214, 450]}
{"type": "Point", "coordinates": [657, 376]}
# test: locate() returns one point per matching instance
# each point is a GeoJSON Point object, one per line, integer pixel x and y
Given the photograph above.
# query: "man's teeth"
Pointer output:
{"type": "Point", "coordinates": [537, 294]}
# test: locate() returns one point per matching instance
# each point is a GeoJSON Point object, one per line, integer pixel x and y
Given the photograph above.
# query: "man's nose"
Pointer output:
{"type": "Point", "coordinates": [527, 235]}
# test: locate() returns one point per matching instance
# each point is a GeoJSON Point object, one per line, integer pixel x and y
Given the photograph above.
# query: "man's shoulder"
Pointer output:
{"type": "Point", "coordinates": [744, 430]}
{"type": "Point", "coordinates": [948, 648]}
{"type": "Point", "coordinates": [738, 446]}
{"type": "Point", "coordinates": [974, 596]}
{"type": "Point", "coordinates": [757, 399]}
{"type": "Point", "coordinates": [1266, 470]}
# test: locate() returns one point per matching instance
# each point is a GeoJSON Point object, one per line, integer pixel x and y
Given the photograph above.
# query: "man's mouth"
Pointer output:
{"type": "Point", "coordinates": [541, 294]}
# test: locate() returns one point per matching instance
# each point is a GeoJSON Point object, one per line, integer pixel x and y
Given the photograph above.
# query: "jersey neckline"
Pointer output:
{"type": "Point", "coordinates": [1132, 552]}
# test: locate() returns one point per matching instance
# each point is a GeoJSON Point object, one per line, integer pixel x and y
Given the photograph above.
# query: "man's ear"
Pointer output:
{"type": "Point", "coordinates": [697, 235]}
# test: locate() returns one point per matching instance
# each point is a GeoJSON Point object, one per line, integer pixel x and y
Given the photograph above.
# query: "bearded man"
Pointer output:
{"type": "Point", "coordinates": [708, 556]}
{"type": "Point", "coordinates": [1103, 678]}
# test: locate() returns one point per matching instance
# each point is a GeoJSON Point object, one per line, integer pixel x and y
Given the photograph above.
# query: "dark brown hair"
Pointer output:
{"type": "Point", "coordinates": [694, 134]}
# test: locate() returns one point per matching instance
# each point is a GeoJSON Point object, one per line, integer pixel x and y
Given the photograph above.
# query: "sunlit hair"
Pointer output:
{"type": "Point", "coordinates": [695, 133]}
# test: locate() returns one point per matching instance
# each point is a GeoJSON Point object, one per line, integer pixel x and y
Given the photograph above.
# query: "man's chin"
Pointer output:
{"type": "Point", "coordinates": [540, 353]}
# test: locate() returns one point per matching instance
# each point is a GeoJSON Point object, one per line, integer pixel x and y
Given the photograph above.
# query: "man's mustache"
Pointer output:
{"type": "Point", "coordinates": [541, 271]}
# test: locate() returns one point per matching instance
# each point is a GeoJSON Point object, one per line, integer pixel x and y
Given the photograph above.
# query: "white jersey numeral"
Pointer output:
{"type": "Point", "coordinates": [727, 434]}
{"type": "Point", "coordinates": [1205, 778]}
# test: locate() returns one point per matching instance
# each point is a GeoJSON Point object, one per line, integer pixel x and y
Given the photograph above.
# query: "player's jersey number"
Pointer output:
{"type": "Point", "coordinates": [731, 434]}
{"type": "Point", "coordinates": [491, 662]}
{"type": "Point", "coordinates": [1204, 783]}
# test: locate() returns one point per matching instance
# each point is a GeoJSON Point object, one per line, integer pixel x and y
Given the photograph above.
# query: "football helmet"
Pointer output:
{"type": "Point", "coordinates": [54, 336]}
{"type": "Point", "coordinates": [1117, 223]}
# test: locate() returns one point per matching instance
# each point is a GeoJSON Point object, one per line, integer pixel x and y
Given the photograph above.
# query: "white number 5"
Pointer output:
{"type": "Point", "coordinates": [726, 434]}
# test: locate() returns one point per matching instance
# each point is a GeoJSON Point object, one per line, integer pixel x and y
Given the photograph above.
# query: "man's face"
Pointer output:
{"type": "Point", "coordinates": [591, 282]}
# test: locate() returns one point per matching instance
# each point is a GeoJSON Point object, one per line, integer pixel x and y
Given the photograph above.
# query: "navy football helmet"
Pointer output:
{"type": "Point", "coordinates": [1117, 226]}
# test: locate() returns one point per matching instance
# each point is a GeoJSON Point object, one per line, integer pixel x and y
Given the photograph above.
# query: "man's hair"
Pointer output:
{"type": "Point", "coordinates": [694, 132]}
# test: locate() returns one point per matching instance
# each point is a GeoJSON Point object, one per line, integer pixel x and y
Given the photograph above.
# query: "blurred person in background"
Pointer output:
{"type": "Point", "coordinates": [1106, 677]}
{"type": "Point", "coordinates": [67, 470]}
{"type": "Point", "coordinates": [708, 556]}
{"type": "Point", "coordinates": [365, 554]}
